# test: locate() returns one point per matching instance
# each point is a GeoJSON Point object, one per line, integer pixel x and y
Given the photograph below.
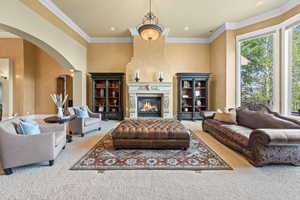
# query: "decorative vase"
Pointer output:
{"type": "Point", "coordinates": [60, 112]}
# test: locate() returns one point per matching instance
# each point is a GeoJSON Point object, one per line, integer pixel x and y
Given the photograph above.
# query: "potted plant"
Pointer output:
{"type": "Point", "coordinates": [59, 102]}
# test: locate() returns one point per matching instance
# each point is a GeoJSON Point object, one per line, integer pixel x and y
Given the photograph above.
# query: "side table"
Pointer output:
{"type": "Point", "coordinates": [58, 120]}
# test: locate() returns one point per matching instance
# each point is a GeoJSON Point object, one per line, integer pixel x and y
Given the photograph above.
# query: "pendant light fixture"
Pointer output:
{"type": "Point", "coordinates": [150, 29]}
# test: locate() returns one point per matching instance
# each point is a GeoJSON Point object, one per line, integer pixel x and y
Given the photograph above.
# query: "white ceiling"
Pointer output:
{"type": "Point", "coordinates": [96, 17]}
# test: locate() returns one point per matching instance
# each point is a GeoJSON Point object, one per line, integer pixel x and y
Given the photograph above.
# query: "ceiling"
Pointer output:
{"type": "Point", "coordinates": [96, 17]}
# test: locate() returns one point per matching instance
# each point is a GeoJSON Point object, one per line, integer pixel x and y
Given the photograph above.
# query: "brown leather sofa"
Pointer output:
{"type": "Point", "coordinates": [262, 136]}
{"type": "Point", "coordinates": [151, 134]}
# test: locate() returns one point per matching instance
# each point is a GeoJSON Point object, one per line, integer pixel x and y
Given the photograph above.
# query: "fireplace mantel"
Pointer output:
{"type": "Point", "coordinates": [162, 89]}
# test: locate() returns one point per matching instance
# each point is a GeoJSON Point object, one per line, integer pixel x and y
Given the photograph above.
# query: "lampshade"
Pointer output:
{"type": "Point", "coordinates": [150, 31]}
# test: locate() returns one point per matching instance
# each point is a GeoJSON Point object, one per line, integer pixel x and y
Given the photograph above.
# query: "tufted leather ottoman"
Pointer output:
{"type": "Point", "coordinates": [150, 134]}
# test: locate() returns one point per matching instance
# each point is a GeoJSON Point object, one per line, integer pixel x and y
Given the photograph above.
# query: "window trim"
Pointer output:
{"type": "Point", "coordinates": [282, 62]}
{"type": "Point", "coordinates": [274, 30]}
{"type": "Point", "coordinates": [286, 63]}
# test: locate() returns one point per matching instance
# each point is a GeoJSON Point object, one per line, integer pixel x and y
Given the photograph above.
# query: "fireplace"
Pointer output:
{"type": "Point", "coordinates": [149, 106]}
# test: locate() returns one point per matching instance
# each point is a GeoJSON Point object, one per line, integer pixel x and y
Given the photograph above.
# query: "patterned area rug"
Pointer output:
{"type": "Point", "coordinates": [198, 157]}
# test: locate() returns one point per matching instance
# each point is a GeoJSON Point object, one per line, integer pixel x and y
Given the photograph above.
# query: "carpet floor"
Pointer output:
{"type": "Point", "coordinates": [39, 182]}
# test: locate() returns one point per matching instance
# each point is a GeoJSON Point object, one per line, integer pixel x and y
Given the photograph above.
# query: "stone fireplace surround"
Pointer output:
{"type": "Point", "coordinates": [150, 89]}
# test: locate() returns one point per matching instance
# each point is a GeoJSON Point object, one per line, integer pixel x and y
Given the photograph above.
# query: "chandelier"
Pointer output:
{"type": "Point", "coordinates": [150, 29]}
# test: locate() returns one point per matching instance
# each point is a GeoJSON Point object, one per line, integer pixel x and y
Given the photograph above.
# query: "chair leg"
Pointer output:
{"type": "Point", "coordinates": [51, 163]}
{"type": "Point", "coordinates": [8, 171]}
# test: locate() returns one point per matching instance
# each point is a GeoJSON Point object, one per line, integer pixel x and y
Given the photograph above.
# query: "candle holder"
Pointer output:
{"type": "Point", "coordinates": [160, 76]}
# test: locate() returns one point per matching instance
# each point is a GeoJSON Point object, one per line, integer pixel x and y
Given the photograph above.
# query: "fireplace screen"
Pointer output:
{"type": "Point", "coordinates": [149, 106]}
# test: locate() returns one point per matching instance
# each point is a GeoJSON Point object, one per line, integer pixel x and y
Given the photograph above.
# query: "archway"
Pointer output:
{"type": "Point", "coordinates": [78, 81]}
{"type": "Point", "coordinates": [39, 43]}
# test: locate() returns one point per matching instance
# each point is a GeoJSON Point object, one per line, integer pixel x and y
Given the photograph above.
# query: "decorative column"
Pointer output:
{"type": "Point", "coordinates": [79, 88]}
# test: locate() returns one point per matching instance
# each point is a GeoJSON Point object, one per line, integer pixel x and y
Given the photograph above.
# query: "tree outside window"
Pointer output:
{"type": "Point", "coordinates": [256, 71]}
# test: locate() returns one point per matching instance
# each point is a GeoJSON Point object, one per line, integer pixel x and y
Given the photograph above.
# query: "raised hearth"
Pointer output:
{"type": "Point", "coordinates": [145, 96]}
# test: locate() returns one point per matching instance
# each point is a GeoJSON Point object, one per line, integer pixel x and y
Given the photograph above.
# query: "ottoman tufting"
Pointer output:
{"type": "Point", "coordinates": [150, 134]}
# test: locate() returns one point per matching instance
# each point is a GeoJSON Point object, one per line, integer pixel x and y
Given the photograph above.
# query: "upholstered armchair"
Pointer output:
{"type": "Point", "coordinates": [84, 125]}
{"type": "Point", "coordinates": [19, 150]}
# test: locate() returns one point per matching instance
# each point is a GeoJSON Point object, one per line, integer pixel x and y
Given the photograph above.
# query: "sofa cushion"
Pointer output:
{"type": "Point", "coordinates": [91, 121]}
{"type": "Point", "coordinates": [261, 120]}
{"type": "Point", "coordinates": [10, 126]}
{"type": "Point", "coordinates": [236, 133]}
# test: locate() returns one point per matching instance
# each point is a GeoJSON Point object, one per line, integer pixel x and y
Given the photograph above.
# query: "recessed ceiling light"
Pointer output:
{"type": "Point", "coordinates": [259, 3]}
{"type": "Point", "coordinates": [112, 28]}
{"type": "Point", "coordinates": [186, 28]}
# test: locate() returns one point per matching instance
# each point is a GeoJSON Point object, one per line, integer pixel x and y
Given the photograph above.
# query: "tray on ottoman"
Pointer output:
{"type": "Point", "coordinates": [150, 134]}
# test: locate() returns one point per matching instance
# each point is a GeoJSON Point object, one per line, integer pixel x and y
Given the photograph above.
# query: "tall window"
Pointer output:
{"type": "Point", "coordinates": [294, 70]}
{"type": "Point", "coordinates": [256, 70]}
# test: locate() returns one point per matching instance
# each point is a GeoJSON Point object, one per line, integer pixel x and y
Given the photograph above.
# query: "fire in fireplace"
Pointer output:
{"type": "Point", "coordinates": [149, 106]}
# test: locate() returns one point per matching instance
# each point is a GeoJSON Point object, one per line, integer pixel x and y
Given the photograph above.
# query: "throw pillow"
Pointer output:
{"type": "Point", "coordinates": [81, 112]}
{"type": "Point", "coordinates": [26, 128]}
{"type": "Point", "coordinates": [226, 116]}
{"type": "Point", "coordinates": [28, 120]}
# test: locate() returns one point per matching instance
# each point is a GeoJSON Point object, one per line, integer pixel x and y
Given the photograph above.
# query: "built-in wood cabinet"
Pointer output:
{"type": "Point", "coordinates": [108, 95]}
{"type": "Point", "coordinates": [192, 95]}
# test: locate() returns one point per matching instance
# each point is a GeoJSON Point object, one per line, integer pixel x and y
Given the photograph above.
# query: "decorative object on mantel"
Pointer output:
{"type": "Point", "coordinates": [59, 102]}
{"type": "Point", "coordinates": [160, 76]}
{"type": "Point", "coordinates": [137, 76]}
{"type": "Point", "coordinates": [150, 28]}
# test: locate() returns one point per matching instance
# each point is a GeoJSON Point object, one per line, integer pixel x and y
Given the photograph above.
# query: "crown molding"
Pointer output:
{"type": "Point", "coordinates": [187, 40]}
{"type": "Point", "coordinates": [62, 16]}
{"type": "Point", "coordinates": [253, 20]}
{"type": "Point", "coordinates": [226, 26]}
{"type": "Point", "coordinates": [8, 35]}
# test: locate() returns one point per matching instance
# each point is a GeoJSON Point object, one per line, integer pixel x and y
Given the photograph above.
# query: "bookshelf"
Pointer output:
{"type": "Point", "coordinates": [192, 95]}
{"type": "Point", "coordinates": [108, 95]}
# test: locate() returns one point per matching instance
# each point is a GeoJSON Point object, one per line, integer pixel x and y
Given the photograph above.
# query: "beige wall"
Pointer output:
{"type": "Point", "coordinates": [171, 59]}
{"type": "Point", "coordinates": [223, 51]}
{"type": "Point", "coordinates": [47, 70]}
{"type": "Point", "coordinates": [30, 66]}
{"type": "Point", "coordinates": [109, 57]}
{"type": "Point", "coordinates": [16, 17]}
{"type": "Point", "coordinates": [35, 74]}
{"type": "Point", "coordinates": [270, 22]}
{"type": "Point", "coordinates": [13, 49]}
{"type": "Point", "coordinates": [218, 70]}
{"type": "Point", "coordinates": [36, 6]}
